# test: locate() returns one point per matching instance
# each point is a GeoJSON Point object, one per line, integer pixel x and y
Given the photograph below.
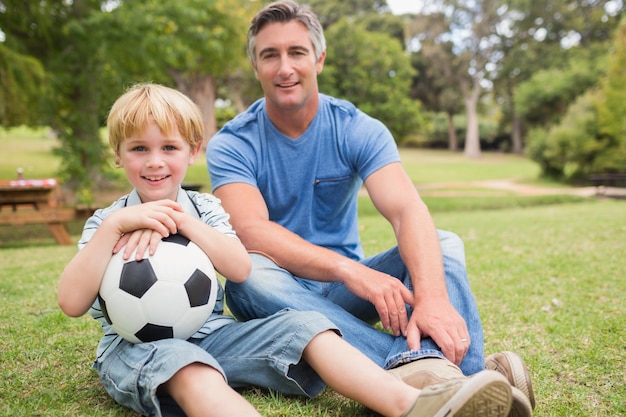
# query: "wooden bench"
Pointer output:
{"type": "Point", "coordinates": [613, 180]}
{"type": "Point", "coordinates": [36, 201]}
{"type": "Point", "coordinates": [609, 179]}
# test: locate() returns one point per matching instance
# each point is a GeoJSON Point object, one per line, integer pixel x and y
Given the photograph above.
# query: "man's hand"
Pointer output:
{"type": "Point", "coordinates": [438, 319]}
{"type": "Point", "coordinates": [388, 295]}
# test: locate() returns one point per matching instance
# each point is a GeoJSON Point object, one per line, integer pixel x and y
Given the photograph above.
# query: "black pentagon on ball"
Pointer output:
{"type": "Point", "coordinates": [198, 288]}
{"type": "Point", "coordinates": [151, 332]}
{"type": "Point", "coordinates": [137, 277]}
{"type": "Point", "coordinates": [176, 238]}
{"type": "Point", "coordinates": [103, 307]}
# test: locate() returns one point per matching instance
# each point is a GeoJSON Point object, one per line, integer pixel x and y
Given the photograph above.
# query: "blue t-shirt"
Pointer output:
{"type": "Point", "coordinates": [310, 184]}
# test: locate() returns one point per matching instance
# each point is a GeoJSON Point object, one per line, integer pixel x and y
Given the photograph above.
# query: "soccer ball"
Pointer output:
{"type": "Point", "coordinates": [170, 294]}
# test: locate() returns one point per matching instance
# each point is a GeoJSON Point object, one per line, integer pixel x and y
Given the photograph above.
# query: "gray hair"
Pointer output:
{"type": "Point", "coordinates": [284, 12]}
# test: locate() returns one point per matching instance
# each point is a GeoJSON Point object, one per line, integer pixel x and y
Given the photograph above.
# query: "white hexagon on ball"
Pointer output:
{"type": "Point", "coordinates": [169, 294]}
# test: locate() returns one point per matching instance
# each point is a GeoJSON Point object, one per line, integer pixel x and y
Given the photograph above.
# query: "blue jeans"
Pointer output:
{"type": "Point", "coordinates": [271, 288]}
{"type": "Point", "coordinates": [265, 353]}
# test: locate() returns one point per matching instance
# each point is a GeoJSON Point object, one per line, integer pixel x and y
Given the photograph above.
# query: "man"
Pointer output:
{"type": "Point", "coordinates": [288, 171]}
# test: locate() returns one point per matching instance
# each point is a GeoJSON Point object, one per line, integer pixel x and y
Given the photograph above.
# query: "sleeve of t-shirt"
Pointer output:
{"type": "Point", "coordinates": [230, 159]}
{"type": "Point", "coordinates": [372, 145]}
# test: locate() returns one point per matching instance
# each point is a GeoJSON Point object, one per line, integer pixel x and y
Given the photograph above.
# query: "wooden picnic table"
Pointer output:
{"type": "Point", "coordinates": [35, 201]}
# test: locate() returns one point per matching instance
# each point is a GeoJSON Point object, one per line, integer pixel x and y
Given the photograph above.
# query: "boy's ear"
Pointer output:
{"type": "Point", "coordinates": [194, 153]}
{"type": "Point", "coordinates": [118, 160]}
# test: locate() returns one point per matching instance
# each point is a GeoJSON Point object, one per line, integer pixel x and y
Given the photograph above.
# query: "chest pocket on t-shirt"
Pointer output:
{"type": "Point", "coordinates": [331, 196]}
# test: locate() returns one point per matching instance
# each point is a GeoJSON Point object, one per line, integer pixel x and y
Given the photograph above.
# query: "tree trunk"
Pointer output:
{"type": "Point", "coordinates": [472, 137]}
{"type": "Point", "coordinates": [203, 93]}
{"type": "Point", "coordinates": [516, 134]}
{"type": "Point", "coordinates": [453, 143]}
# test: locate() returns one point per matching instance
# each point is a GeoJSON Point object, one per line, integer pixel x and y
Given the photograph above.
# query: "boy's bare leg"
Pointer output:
{"type": "Point", "coordinates": [349, 372]}
{"type": "Point", "coordinates": [202, 391]}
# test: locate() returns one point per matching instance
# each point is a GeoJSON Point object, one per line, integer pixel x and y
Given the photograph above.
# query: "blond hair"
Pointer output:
{"type": "Point", "coordinates": [147, 103]}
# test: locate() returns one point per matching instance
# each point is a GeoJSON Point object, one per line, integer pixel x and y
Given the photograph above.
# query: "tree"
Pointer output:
{"type": "Point", "coordinates": [435, 83]}
{"type": "Point", "coordinates": [192, 43]}
{"type": "Point", "coordinates": [591, 135]}
{"type": "Point", "coordinates": [472, 27]}
{"type": "Point", "coordinates": [56, 33]}
{"type": "Point", "coordinates": [544, 36]}
{"type": "Point", "coordinates": [372, 71]}
{"type": "Point", "coordinates": [331, 11]}
{"type": "Point", "coordinates": [612, 108]}
{"type": "Point", "coordinates": [21, 87]}
{"type": "Point", "coordinates": [90, 54]}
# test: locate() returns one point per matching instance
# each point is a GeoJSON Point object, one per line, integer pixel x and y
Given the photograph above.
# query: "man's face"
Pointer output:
{"type": "Point", "coordinates": [286, 65]}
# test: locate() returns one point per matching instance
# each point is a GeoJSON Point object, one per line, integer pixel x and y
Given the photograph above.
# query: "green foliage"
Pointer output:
{"type": "Point", "coordinates": [591, 137]}
{"type": "Point", "coordinates": [357, 58]}
{"type": "Point", "coordinates": [545, 97]}
{"type": "Point", "coordinates": [58, 35]}
{"type": "Point", "coordinates": [21, 86]}
{"type": "Point", "coordinates": [612, 108]}
{"type": "Point", "coordinates": [568, 149]}
{"type": "Point", "coordinates": [329, 11]}
{"type": "Point", "coordinates": [154, 38]}
{"type": "Point", "coordinates": [437, 137]}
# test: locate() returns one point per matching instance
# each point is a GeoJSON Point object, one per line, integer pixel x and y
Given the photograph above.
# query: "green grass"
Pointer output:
{"type": "Point", "coordinates": [547, 272]}
{"type": "Point", "coordinates": [435, 166]}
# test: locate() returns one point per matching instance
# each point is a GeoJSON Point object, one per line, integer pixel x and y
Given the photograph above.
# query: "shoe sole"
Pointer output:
{"type": "Point", "coordinates": [520, 407]}
{"type": "Point", "coordinates": [519, 376]}
{"type": "Point", "coordinates": [486, 394]}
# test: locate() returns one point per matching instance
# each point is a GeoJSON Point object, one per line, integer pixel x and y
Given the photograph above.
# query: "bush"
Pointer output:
{"type": "Point", "coordinates": [575, 148]}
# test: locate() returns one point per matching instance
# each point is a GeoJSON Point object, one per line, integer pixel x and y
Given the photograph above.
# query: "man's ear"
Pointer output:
{"type": "Point", "coordinates": [319, 65]}
{"type": "Point", "coordinates": [256, 74]}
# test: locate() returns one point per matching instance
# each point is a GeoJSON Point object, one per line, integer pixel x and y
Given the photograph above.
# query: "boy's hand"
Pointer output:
{"type": "Point", "coordinates": [144, 225]}
{"type": "Point", "coordinates": [141, 239]}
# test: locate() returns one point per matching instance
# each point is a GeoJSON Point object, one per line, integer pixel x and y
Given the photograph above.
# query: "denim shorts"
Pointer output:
{"type": "Point", "coordinates": [261, 352]}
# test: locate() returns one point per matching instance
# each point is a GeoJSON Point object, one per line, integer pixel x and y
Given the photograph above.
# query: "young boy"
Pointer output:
{"type": "Point", "coordinates": [156, 132]}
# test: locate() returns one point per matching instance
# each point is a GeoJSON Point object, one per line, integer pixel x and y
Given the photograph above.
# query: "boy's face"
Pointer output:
{"type": "Point", "coordinates": [156, 164]}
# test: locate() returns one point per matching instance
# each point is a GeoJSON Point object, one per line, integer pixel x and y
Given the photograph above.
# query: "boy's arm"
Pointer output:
{"type": "Point", "coordinates": [81, 278]}
{"type": "Point", "coordinates": [228, 255]}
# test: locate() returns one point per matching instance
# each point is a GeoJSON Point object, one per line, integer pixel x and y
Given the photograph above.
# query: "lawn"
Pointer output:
{"type": "Point", "coordinates": [548, 273]}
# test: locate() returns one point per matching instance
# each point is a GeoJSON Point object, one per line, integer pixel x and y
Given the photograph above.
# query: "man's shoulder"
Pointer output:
{"type": "Point", "coordinates": [338, 105]}
{"type": "Point", "coordinates": [350, 116]}
{"type": "Point", "coordinates": [245, 119]}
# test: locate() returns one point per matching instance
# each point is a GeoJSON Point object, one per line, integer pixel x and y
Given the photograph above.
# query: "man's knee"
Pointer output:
{"type": "Point", "coordinates": [452, 247]}
{"type": "Point", "coordinates": [450, 240]}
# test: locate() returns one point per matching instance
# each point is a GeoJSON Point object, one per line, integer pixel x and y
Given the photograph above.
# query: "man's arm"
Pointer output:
{"type": "Point", "coordinates": [395, 196]}
{"type": "Point", "coordinates": [250, 219]}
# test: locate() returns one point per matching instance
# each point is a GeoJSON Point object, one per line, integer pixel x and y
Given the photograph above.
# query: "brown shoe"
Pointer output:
{"type": "Point", "coordinates": [428, 371]}
{"type": "Point", "coordinates": [520, 407]}
{"type": "Point", "coordinates": [485, 394]}
{"type": "Point", "coordinates": [513, 367]}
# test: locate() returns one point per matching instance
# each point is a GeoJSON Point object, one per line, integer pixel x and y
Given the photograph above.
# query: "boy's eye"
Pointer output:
{"type": "Point", "coordinates": [139, 149]}
{"type": "Point", "coordinates": [169, 148]}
